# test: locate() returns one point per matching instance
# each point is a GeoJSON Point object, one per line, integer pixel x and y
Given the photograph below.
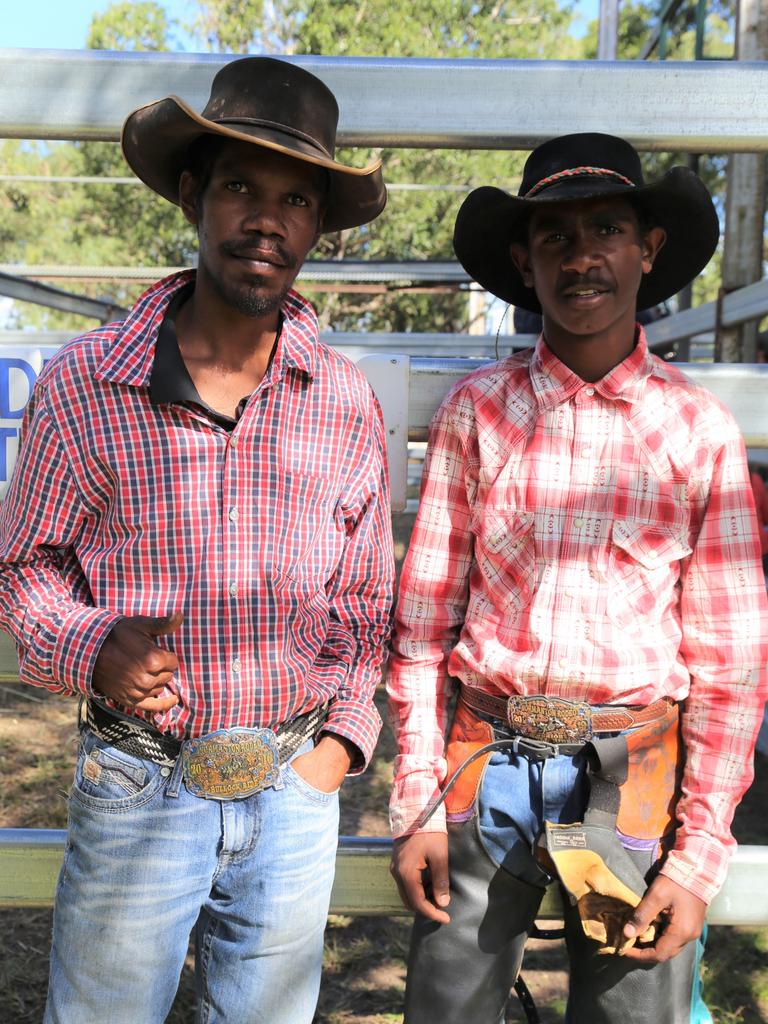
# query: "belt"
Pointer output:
{"type": "Point", "coordinates": [133, 737]}
{"type": "Point", "coordinates": [558, 721]}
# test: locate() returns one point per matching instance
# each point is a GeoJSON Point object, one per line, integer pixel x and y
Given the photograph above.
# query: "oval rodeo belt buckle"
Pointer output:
{"type": "Point", "coordinates": [230, 764]}
{"type": "Point", "coordinates": [550, 719]}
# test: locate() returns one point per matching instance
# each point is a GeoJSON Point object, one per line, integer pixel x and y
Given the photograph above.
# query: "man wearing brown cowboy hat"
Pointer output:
{"type": "Point", "coordinates": [584, 577]}
{"type": "Point", "coordinates": [196, 542]}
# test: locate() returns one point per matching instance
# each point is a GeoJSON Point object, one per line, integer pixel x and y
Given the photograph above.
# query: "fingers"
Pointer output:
{"type": "Point", "coordinates": [420, 869]}
{"type": "Point", "coordinates": [680, 917]}
{"type": "Point", "coordinates": [157, 704]}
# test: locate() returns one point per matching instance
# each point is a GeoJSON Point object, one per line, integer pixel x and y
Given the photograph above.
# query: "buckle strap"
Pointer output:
{"type": "Point", "coordinates": [142, 741]}
{"type": "Point", "coordinates": [556, 720]}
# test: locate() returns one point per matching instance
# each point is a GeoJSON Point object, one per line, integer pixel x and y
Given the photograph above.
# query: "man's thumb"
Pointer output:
{"type": "Point", "coordinates": [161, 625]}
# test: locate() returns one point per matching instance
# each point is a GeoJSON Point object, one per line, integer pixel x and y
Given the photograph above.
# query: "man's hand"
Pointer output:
{"type": "Point", "coordinates": [682, 919]}
{"type": "Point", "coordinates": [325, 766]}
{"type": "Point", "coordinates": [131, 669]}
{"type": "Point", "coordinates": [413, 858]}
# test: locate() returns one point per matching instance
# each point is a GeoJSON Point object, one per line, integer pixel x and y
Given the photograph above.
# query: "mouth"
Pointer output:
{"type": "Point", "coordinates": [584, 293]}
{"type": "Point", "coordinates": [262, 259]}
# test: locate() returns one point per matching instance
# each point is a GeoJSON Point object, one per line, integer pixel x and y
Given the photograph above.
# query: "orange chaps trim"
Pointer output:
{"type": "Point", "coordinates": [468, 734]}
{"type": "Point", "coordinates": [655, 768]}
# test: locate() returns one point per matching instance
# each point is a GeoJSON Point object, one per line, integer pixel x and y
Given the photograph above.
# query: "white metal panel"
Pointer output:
{"type": "Point", "coordinates": [388, 375]}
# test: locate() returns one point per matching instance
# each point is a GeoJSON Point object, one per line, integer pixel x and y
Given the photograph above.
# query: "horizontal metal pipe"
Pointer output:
{"type": "Point", "coordinates": [452, 104]}
{"type": "Point", "coordinates": [30, 860]}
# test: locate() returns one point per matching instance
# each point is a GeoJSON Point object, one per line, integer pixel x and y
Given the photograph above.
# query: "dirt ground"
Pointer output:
{"type": "Point", "coordinates": [364, 962]}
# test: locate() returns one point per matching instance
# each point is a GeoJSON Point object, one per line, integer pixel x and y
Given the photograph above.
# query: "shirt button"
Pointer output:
{"type": "Point", "coordinates": [589, 391]}
{"type": "Point", "coordinates": [586, 452]}
{"type": "Point", "coordinates": [653, 553]}
{"type": "Point", "coordinates": [236, 665]}
{"type": "Point", "coordinates": [578, 523]}
{"type": "Point", "coordinates": [233, 514]}
{"type": "Point", "coordinates": [233, 440]}
{"type": "Point", "coordinates": [233, 590]}
{"type": "Point", "coordinates": [563, 662]}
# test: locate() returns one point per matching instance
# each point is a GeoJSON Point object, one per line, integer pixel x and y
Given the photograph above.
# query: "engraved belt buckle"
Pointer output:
{"type": "Point", "coordinates": [230, 764]}
{"type": "Point", "coordinates": [550, 719]}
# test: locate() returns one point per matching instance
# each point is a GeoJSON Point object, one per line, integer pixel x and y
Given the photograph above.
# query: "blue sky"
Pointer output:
{"type": "Point", "coordinates": [63, 24]}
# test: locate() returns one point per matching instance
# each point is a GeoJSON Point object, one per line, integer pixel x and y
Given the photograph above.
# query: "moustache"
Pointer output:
{"type": "Point", "coordinates": [585, 281]}
{"type": "Point", "coordinates": [250, 246]}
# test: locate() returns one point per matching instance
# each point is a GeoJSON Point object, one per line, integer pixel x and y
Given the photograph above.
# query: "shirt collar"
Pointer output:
{"type": "Point", "coordinates": [553, 383]}
{"type": "Point", "coordinates": [131, 357]}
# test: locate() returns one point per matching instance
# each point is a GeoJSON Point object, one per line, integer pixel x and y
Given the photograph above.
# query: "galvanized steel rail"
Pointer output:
{"type": "Point", "coordinates": [449, 104]}
{"type": "Point", "coordinates": [30, 860]}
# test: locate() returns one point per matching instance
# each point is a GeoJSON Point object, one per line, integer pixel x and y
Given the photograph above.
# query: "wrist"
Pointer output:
{"type": "Point", "coordinates": [340, 751]}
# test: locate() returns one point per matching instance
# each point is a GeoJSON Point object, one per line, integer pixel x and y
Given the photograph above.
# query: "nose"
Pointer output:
{"type": "Point", "coordinates": [264, 217]}
{"type": "Point", "coordinates": [582, 253]}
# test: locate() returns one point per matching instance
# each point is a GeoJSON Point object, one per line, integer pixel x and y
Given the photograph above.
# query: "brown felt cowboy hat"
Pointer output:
{"type": "Point", "coordinates": [586, 166]}
{"type": "Point", "coordinates": [271, 103]}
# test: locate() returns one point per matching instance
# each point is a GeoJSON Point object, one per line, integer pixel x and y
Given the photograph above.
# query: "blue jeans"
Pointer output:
{"type": "Point", "coordinates": [146, 862]}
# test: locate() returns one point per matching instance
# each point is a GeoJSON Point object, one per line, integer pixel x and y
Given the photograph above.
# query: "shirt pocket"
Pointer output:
{"type": "Point", "coordinates": [643, 571]}
{"type": "Point", "coordinates": [505, 555]}
{"type": "Point", "coordinates": [308, 543]}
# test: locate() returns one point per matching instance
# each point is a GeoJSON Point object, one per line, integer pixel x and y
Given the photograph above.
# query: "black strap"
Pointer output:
{"type": "Point", "coordinates": [536, 750]}
{"type": "Point", "coordinates": [608, 765]}
{"type": "Point", "coordinates": [523, 993]}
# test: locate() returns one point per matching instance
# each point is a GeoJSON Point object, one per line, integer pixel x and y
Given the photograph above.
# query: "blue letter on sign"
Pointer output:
{"type": "Point", "coordinates": [6, 365]}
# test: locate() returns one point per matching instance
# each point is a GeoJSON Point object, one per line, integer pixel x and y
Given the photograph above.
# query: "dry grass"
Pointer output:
{"type": "Point", "coordinates": [364, 961]}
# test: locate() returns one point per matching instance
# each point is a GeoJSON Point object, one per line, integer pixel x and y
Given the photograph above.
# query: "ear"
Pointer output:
{"type": "Point", "coordinates": [188, 197]}
{"type": "Point", "coordinates": [522, 260]}
{"type": "Point", "coordinates": [652, 243]}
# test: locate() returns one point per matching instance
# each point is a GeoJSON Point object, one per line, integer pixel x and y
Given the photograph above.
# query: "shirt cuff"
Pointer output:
{"type": "Point", "coordinates": [77, 646]}
{"type": "Point", "coordinates": [699, 867]}
{"type": "Point", "coordinates": [360, 723]}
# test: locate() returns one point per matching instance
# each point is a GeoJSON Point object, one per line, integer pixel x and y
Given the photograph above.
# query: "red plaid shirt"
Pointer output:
{"type": "Point", "coordinates": [272, 538]}
{"type": "Point", "coordinates": [593, 542]}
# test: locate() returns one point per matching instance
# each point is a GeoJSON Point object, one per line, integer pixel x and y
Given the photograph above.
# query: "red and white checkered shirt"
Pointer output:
{"type": "Point", "coordinates": [273, 538]}
{"type": "Point", "coordinates": [593, 542]}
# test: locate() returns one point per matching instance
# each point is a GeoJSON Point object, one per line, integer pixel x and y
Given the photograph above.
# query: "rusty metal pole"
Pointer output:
{"type": "Point", "coordinates": [745, 199]}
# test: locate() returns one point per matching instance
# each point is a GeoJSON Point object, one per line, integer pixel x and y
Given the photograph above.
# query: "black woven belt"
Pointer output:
{"type": "Point", "coordinates": [144, 742]}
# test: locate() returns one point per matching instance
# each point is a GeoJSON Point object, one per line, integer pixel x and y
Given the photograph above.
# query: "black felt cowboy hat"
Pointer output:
{"type": "Point", "coordinates": [271, 103]}
{"type": "Point", "coordinates": [585, 166]}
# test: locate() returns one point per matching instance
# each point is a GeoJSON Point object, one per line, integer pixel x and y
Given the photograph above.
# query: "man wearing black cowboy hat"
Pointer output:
{"type": "Point", "coordinates": [196, 542]}
{"type": "Point", "coordinates": [584, 577]}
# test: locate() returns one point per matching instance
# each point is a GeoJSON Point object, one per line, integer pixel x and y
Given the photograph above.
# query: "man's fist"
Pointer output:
{"type": "Point", "coordinates": [131, 669]}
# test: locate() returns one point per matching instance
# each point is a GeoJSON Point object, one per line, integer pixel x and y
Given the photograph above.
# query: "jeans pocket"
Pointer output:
{"type": "Point", "coordinates": [292, 778]}
{"type": "Point", "coordinates": [109, 779]}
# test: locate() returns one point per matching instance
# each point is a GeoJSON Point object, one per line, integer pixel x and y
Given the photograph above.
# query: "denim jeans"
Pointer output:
{"type": "Point", "coordinates": [146, 862]}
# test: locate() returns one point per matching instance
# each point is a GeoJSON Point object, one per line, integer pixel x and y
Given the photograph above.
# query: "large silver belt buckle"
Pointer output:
{"type": "Point", "coordinates": [550, 719]}
{"type": "Point", "coordinates": [230, 764]}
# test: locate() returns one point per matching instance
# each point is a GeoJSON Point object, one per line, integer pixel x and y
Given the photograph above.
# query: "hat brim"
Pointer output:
{"type": "Point", "coordinates": [155, 140]}
{"type": "Point", "coordinates": [489, 218]}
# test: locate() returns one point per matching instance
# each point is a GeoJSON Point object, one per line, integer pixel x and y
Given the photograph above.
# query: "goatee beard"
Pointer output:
{"type": "Point", "coordinates": [249, 300]}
